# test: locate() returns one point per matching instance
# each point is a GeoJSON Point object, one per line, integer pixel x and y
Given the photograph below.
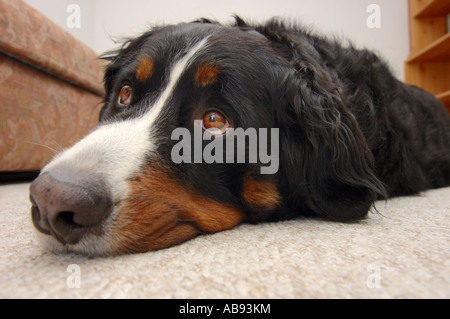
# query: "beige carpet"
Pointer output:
{"type": "Point", "coordinates": [403, 252]}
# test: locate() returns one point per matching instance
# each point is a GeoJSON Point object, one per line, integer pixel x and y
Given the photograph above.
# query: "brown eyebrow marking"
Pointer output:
{"type": "Point", "coordinates": [207, 73]}
{"type": "Point", "coordinates": [144, 70]}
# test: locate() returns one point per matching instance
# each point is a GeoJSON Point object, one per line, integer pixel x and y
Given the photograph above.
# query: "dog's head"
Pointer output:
{"type": "Point", "coordinates": [203, 127]}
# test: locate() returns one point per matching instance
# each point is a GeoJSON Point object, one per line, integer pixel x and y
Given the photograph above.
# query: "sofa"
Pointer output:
{"type": "Point", "coordinates": [51, 89]}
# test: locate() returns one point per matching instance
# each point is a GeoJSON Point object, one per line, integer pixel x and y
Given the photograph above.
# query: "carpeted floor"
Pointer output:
{"type": "Point", "coordinates": [402, 252]}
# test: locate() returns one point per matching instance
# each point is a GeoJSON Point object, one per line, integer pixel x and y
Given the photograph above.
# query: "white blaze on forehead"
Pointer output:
{"type": "Point", "coordinates": [115, 151]}
{"type": "Point", "coordinates": [175, 75]}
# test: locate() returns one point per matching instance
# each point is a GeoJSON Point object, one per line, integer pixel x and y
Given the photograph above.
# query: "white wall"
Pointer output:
{"type": "Point", "coordinates": [56, 11]}
{"type": "Point", "coordinates": [102, 20]}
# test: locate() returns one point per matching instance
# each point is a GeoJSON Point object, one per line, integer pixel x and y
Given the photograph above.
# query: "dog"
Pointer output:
{"type": "Point", "coordinates": [346, 133]}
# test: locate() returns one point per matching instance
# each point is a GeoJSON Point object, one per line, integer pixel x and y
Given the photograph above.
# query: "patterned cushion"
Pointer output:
{"type": "Point", "coordinates": [51, 88]}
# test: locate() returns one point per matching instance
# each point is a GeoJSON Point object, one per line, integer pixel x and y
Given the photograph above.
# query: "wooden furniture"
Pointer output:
{"type": "Point", "coordinates": [428, 65]}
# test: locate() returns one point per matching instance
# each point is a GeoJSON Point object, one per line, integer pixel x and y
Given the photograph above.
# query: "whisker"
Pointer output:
{"type": "Point", "coordinates": [60, 146]}
{"type": "Point", "coordinates": [48, 147]}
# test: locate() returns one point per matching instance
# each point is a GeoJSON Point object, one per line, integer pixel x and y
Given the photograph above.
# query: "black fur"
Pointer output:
{"type": "Point", "coordinates": [350, 133]}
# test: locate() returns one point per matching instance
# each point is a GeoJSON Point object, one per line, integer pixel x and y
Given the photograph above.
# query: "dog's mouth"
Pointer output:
{"type": "Point", "coordinates": [157, 213]}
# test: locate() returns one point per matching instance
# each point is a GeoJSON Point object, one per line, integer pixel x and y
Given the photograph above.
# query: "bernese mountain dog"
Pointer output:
{"type": "Point", "coordinates": [326, 131]}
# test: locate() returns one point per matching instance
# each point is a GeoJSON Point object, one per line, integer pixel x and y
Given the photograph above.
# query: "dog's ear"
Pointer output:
{"type": "Point", "coordinates": [321, 142]}
{"type": "Point", "coordinates": [324, 154]}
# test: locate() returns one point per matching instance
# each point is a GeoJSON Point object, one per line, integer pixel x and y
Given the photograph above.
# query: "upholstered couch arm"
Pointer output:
{"type": "Point", "coordinates": [51, 88]}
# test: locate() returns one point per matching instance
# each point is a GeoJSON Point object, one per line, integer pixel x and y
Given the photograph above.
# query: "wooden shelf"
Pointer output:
{"type": "Point", "coordinates": [444, 97]}
{"type": "Point", "coordinates": [433, 8]}
{"type": "Point", "coordinates": [438, 50]}
{"type": "Point", "coordinates": [428, 65]}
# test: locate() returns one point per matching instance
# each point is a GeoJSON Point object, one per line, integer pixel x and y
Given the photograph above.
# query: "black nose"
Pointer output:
{"type": "Point", "coordinates": [68, 211]}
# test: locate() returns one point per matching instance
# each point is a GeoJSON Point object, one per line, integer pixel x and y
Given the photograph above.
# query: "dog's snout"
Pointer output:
{"type": "Point", "coordinates": [66, 210]}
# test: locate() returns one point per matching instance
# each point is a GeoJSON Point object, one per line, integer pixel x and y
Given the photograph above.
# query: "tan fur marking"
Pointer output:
{"type": "Point", "coordinates": [144, 70]}
{"type": "Point", "coordinates": [159, 212]}
{"type": "Point", "coordinates": [206, 74]}
{"type": "Point", "coordinates": [260, 195]}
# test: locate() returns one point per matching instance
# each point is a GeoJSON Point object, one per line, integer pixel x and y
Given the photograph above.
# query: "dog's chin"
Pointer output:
{"type": "Point", "coordinates": [91, 246]}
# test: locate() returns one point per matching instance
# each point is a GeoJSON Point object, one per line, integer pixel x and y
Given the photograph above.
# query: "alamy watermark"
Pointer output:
{"type": "Point", "coordinates": [374, 279]}
{"type": "Point", "coordinates": [74, 279]}
{"type": "Point", "coordinates": [374, 19]}
{"type": "Point", "coordinates": [241, 146]}
{"type": "Point", "coordinates": [73, 20]}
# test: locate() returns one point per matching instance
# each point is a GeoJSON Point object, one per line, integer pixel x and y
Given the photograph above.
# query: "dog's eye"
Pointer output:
{"type": "Point", "coordinates": [125, 94]}
{"type": "Point", "coordinates": [214, 119]}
